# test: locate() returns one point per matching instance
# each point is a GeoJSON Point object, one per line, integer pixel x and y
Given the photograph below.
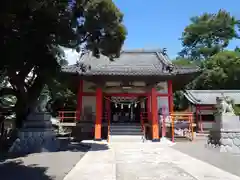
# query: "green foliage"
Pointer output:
{"type": "Point", "coordinates": [180, 102]}
{"type": "Point", "coordinates": [236, 109]}
{"type": "Point", "coordinates": [208, 34]}
{"type": "Point", "coordinates": [221, 71]}
{"type": "Point", "coordinates": [33, 33]}
{"type": "Point", "coordinates": [184, 62]}
{"type": "Point", "coordinates": [61, 97]}
{"type": "Point", "coordinates": [204, 42]}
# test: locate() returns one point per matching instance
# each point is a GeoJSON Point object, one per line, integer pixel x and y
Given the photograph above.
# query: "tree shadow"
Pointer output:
{"type": "Point", "coordinates": [16, 170]}
{"type": "Point", "coordinates": [98, 147]}
{"type": "Point", "coordinates": [65, 144]}
{"type": "Point", "coordinates": [73, 145]}
{"type": "Point", "coordinates": [13, 165]}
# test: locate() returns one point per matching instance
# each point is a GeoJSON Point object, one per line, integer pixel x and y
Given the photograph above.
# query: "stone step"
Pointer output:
{"type": "Point", "coordinates": [126, 133]}
{"type": "Point", "coordinates": [125, 129]}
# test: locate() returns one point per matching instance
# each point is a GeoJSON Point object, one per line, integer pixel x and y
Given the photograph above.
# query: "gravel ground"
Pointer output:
{"type": "Point", "coordinates": [197, 149]}
{"type": "Point", "coordinates": [43, 166]}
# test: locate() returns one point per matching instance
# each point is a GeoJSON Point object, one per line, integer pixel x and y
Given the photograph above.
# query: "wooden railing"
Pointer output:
{"type": "Point", "coordinates": [186, 116]}
{"type": "Point", "coordinates": [68, 116]}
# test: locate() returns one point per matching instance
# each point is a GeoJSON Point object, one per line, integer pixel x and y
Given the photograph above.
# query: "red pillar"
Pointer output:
{"type": "Point", "coordinates": [79, 100]}
{"type": "Point", "coordinates": [155, 128]}
{"type": "Point", "coordinates": [170, 97]}
{"type": "Point", "coordinates": [170, 105]}
{"type": "Point", "coordinates": [98, 123]}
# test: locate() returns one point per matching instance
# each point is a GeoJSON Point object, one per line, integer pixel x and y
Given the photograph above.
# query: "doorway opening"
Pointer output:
{"type": "Point", "coordinates": [125, 110]}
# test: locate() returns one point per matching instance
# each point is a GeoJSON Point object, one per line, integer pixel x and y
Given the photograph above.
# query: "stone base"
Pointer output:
{"type": "Point", "coordinates": [36, 136]}
{"type": "Point", "coordinates": [35, 142]}
{"type": "Point", "coordinates": [225, 141]}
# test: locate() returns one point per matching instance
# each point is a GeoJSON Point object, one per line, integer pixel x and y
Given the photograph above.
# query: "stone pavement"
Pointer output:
{"type": "Point", "coordinates": [143, 161]}
{"type": "Point", "coordinates": [198, 149]}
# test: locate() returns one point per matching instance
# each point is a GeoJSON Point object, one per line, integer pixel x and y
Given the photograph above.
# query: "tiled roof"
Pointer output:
{"type": "Point", "coordinates": [135, 62]}
{"type": "Point", "coordinates": [209, 96]}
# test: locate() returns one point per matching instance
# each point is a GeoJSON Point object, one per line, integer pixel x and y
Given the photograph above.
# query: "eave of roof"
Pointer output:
{"type": "Point", "coordinates": [130, 63]}
{"type": "Point", "coordinates": [208, 97]}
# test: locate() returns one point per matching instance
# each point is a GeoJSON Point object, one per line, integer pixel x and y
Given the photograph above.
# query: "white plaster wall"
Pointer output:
{"type": "Point", "coordinates": [163, 104]}
{"type": "Point", "coordinates": [118, 90]}
{"type": "Point", "coordinates": [162, 87]}
{"type": "Point", "coordinates": [87, 86]}
{"type": "Point", "coordinates": [88, 102]}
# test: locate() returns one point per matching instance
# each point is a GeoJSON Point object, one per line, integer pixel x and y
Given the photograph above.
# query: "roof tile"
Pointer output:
{"type": "Point", "coordinates": [208, 97]}
{"type": "Point", "coordinates": [135, 62]}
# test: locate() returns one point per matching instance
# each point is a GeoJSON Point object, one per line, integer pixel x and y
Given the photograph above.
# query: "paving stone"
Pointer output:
{"type": "Point", "coordinates": [144, 161]}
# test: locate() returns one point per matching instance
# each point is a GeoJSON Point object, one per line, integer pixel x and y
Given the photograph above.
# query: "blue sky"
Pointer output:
{"type": "Point", "coordinates": [160, 23]}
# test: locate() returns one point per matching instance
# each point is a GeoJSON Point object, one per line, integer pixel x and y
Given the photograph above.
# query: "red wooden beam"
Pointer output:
{"type": "Point", "coordinates": [89, 94]}
{"type": "Point", "coordinates": [123, 94]}
{"type": "Point", "coordinates": [200, 107]}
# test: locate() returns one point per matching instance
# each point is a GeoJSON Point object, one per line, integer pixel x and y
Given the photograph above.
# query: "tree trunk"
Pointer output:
{"type": "Point", "coordinates": [25, 106]}
{"type": "Point", "coordinates": [2, 126]}
{"type": "Point", "coordinates": [21, 112]}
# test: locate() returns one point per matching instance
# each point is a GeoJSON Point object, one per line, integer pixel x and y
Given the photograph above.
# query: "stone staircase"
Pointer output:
{"type": "Point", "coordinates": [126, 133]}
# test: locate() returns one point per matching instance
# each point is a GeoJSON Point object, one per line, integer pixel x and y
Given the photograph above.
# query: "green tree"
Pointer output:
{"type": "Point", "coordinates": [179, 61]}
{"type": "Point", "coordinates": [221, 71]}
{"type": "Point", "coordinates": [180, 102]}
{"type": "Point", "coordinates": [33, 33]}
{"type": "Point", "coordinates": [208, 34]}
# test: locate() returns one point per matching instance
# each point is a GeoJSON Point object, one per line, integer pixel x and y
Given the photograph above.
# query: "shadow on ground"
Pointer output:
{"type": "Point", "coordinates": [46, 165]}
{"type": "Point", "coordinates": [16, 170]}
{"type": "Point", "coordinates": [82, 146]}
{"type": "Point", "coordinates": [65, 145]}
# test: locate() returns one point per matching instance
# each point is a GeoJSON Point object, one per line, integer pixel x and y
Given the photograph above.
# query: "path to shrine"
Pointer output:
{"type": "Point", "coordinates": [143, 161]}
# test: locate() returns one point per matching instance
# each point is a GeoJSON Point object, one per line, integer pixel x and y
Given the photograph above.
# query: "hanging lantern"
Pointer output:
{"type": "Point", "coordinates": [115, 105]}
{"type": "Point", "coordinates": [129, 106]}
{"type": "Point", "coordinates": [121, 106]}
{"type": "Point", "coordinates": [135, 105]}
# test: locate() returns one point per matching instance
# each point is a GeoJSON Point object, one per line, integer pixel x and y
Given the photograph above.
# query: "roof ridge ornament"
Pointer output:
{"type": "Point", "coordinates": [164, 51]}
{"type": "Point", "coordinates": [167, 64]}
{"type": "Point", "coordinates": [169, 68]}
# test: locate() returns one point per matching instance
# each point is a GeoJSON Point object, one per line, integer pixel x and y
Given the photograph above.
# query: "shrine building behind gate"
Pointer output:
{"type": "Point", "coordinates": [140, 83]}
{"type": "Point", "coordinates": [203, 104]}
